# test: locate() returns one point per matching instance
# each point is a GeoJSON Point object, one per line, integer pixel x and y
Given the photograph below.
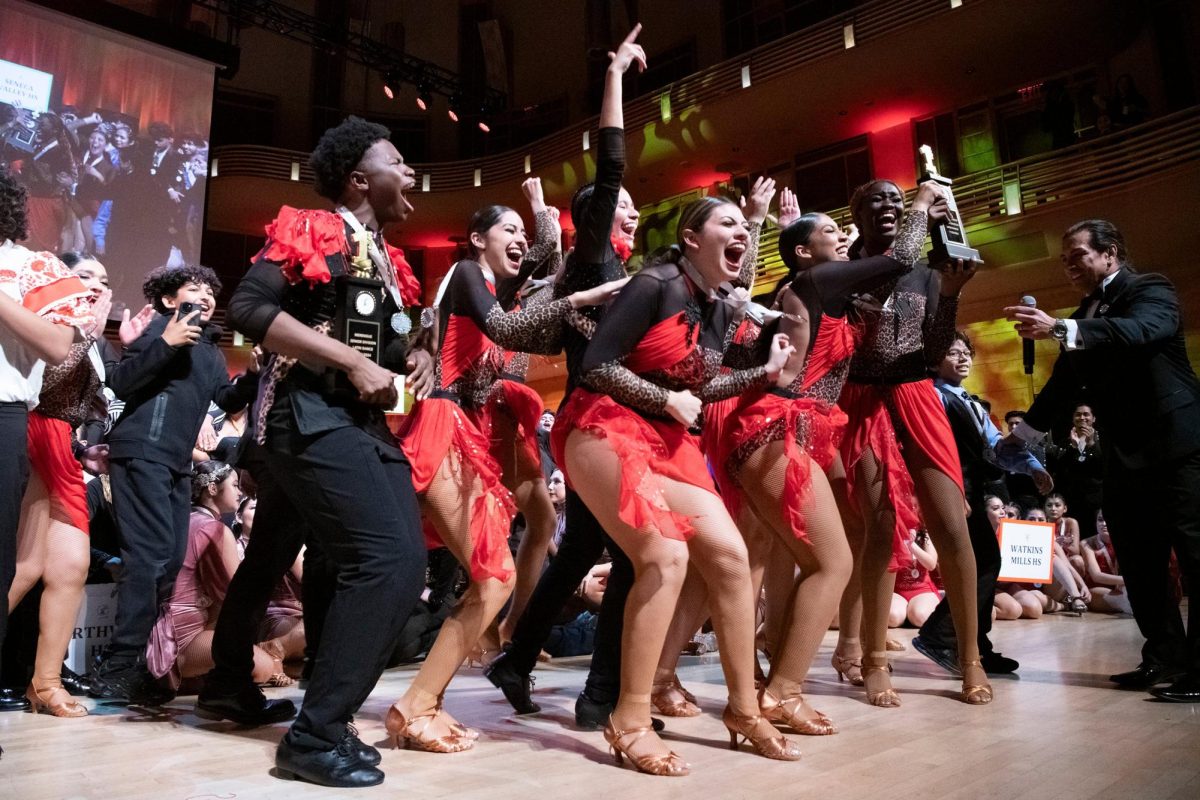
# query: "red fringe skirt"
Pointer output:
{"type": "Point", "coordinates": [426, 436]}
{"type": "Point", "coordinates": [801, 423]}
{"type": "Point", "coordinates": [875, 412]}
{"type": "Point", "coordinates": [51, 458]}
{"type": "Point", "coordinates": [646, 448]}
{"type": "Point", "coordinates": [525, 406]}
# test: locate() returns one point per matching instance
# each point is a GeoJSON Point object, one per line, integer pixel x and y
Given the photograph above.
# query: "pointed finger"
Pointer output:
{"type": "Point", "coordinates": [633, 34]}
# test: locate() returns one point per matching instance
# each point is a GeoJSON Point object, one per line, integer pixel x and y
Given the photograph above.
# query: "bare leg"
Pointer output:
{"type": "Point", "coordinates": [66, 566]}
{"type": "Point", "coordinates": [825, 564]}
{"type": "Point", "coordinates": [31, 539]}
{"type": "Point", "coordinates": [447, 504]}
{"type": "Point", "coordinates": [878, 584]}
{"type": "Point", "coordinates": [660, 566]}
{"type": "Point", "coordinates": [524, 479]}
{"type": "Point", "coordinates": [944, 512]}
{"type": "Point", "coordinates": [667, 697]}
{"type": "Point", "coordinates": [847, 654]}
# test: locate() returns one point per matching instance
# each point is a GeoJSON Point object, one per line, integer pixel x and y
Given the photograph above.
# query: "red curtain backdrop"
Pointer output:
{"type": "Point", "coordinates": [91, 71]}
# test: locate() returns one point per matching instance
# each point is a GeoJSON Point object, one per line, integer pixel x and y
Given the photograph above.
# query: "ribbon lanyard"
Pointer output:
{"type": "Point", "coordinates": [383, 264]}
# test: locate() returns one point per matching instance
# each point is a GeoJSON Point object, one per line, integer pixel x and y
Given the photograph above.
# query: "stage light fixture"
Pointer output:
{"type": "Point", "coordinates": [455, 107]}
{"type": "Point", "coordinates": [745, 76]}
{"type": "Point", "coordinates": [424, 96]}
{"type": "Point", "coordinates": [389, 87]}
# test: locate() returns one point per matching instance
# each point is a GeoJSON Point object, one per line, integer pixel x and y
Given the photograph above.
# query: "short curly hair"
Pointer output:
{"type": "Point", "coordinates": [13, 195]}
{"type": "Point", "coordinates": [167, 281]}
{"type": "Point", "coordinates": [339, 151]}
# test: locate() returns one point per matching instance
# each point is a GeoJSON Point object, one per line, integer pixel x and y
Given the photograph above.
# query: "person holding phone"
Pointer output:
{"type": "Point", "coordinates": [167, 377]}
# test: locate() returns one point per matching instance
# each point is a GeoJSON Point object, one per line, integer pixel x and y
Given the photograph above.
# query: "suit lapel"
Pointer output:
{"type": "Point", "coordinates": [1118, 287]}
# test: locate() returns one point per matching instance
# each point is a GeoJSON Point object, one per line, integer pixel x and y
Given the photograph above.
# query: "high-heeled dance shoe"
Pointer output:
{"type": "Point", "coordinates": [54, 700]}
{"type": "Point", "coordinates": [660, 698]}
{"type": "Point", "coordinates": [884, 698]}
{"type": "Point", "coordinates": [849, 669]}
{"type": "Point", "coordinates": [779, 748]}
{"type": "Point", "coordinates": [414, 732]}
{"type": "Point", "coordinates": [456, 726]}
{"type": "Point", "coordinates": [1075, 606]}
{"type": "Point", "coordinates": [975, 694]}
{"type": "Point", "coordinates": [668, 764]}
{"type": "Point", "coordinates": [787, 712]}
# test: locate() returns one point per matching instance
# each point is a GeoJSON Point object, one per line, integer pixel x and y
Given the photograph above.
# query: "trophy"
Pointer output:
{"type": "Point", "coordinates": [949, 237]}
{"type": "Point", "coordinates": [358, 313]}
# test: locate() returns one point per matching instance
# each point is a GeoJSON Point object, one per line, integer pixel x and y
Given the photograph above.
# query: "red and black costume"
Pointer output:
{"type": "Point", "coordinates": [889, 391]}
{"type": "Point", "coordinates": [476, 333]}
{"type": "Point", "coordinates": [662, 333]}
{"type": "Point", "coordinates": [804, 415]}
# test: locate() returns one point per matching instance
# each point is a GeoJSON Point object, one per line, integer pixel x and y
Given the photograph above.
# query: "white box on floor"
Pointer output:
{"type": "Point", "coordinates": [93, 626]}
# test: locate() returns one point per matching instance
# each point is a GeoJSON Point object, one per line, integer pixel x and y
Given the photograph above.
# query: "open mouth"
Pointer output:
{"type": "Point", "coordinates": [843, 250]}
{"type": "Point", "coordinates": [886, 220]}
{"type": "Point", "coordinates": [514, 254]}
{"type": "Point", "coordinates": [734, 254]}
{"type": "Point", "coordinates": [407, 206]}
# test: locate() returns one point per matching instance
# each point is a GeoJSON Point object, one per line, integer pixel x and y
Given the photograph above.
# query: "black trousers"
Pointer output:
{"type": "Point", "coordinates": [938, 630]}
{"type": "Point", "coordinates": [151, 503]}
{"type": "Point", "coordinates": [1149, 512]}
{"type": "Point", "coordinates": [355, 496]}
{"type": "Point", "coordinates": [582, 543]}
{"type": "Point", "coordinates": [14, 475]}
{"type": "Point", "coordinates": [279, 533]}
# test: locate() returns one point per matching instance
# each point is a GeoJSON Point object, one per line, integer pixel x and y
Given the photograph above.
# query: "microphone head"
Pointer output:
{"type": "Point", "coordinates": [1028, 300]}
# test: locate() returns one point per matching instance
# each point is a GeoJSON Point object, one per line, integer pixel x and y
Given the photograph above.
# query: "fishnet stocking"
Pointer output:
{"type": "Point", "coordinates": [825, 561]}
{"type": "Point", "coordinates": [850, 609]}
{"type": "Point", "coordinates": [878, 523]}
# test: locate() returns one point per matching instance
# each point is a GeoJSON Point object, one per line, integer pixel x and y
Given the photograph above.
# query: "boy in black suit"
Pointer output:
{"type": "Point", "coordinates": [167, 378]}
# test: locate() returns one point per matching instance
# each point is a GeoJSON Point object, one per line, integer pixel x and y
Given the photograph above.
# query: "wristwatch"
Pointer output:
{"type": "Point", "coordinates": [1059, 330]}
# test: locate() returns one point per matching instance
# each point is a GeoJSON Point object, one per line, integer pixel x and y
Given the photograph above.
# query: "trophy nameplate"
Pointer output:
{"type": "Point", "coordinates": [358, 317]}
{"type": "Point", "coordinates": [949, 236]}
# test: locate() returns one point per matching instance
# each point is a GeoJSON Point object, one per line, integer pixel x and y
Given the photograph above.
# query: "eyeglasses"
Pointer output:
{"type": "Point", "coordinates": [959, 353]}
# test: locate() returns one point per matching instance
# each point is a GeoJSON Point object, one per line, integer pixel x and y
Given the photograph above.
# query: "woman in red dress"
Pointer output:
{"type": "Point", "coordinates": [782, 440]}
{"type": "Point", "coordinates": [898, 449]}
{"type": "Point", "coordinates": [624, 444]}
{"type": "Point", "coordinates": [457, 480]}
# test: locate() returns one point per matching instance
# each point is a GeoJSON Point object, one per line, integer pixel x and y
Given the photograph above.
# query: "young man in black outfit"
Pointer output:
{"type": "Point", "coordinates": [167, 378]}
{"type": "Point", "coordinates": [325, 444]}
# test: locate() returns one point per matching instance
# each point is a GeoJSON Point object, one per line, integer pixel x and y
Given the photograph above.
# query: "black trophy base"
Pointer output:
{"type": "Point", "coordinates": [951, 251]}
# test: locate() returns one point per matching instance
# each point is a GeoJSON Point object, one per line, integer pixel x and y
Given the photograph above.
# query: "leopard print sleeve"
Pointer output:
{"type": "Point", "coordinates": [910, 238]}
{"type": "Point", "coordinates": [750, 259]}
{"type": "Point", "coordinates": [939, 329]}
{"type": "Point", "coordinates": [524, 330]}
{"type": "Point", "coordinates": [626, 387]}
{"type": "Point", "coordinates": [734, 383]}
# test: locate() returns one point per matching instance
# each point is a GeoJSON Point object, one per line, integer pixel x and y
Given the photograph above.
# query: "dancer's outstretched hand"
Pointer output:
{"type": "Point", "coordinates": [758, 202]}
{"type": "Point", "coordinates": [789, 208]}
{"type": "Point", "coordinates": [628, 52]}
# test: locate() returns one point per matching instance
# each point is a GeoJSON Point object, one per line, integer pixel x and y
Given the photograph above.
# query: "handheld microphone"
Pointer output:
{"type": "Point", "coordinates": [1027, 344]}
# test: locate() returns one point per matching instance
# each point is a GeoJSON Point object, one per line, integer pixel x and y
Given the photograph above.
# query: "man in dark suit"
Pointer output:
{"type": "Point", "coordinates": [1123, 351]}
{"type": "Point", "coordinates": [975, 436]}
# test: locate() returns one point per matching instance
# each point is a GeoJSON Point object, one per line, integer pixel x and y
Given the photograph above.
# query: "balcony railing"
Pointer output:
{"type": "Point", "coordinates": [773, 60]}
{"type": "Point", "coordinates": [1082, 170]}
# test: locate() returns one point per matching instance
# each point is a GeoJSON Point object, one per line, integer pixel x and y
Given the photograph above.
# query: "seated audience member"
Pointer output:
{"type": "Point", "coordinates": [915, 595]}
{"type": "Point", "coordinates": [1066, 531]}
{"type": "Point", "coordinates": [1068, 587]}
{"type": "Point", "coordinates": [575, 633]}
{"type": "Point", "coordinates": [284, 621]}
{"type": "Point", "coordinates": [556, 487]}
{"type": "Point", "coordinates": [1102, 574]}
{"type": "Point", "coordinates": [181, 643]}
{"type": "Point", "coordinates": [1078, 469]}
{"type": "Point", "coordinates": [1020, 486]}
{"type": "Point", "coordinates": [1016, 600]}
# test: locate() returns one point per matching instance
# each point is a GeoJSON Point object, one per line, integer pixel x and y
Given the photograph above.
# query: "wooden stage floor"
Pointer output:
{"type": "Point", "coordinates": [1056, 731]}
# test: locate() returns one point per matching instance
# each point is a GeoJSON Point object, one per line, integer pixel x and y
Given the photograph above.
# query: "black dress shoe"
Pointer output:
{"type": "Point", "coordinates": [246, 707]}
{"type": "Point", "coordinates": [996, 664]}
{"type": "Point", "coordinates": [366, 754]}
{"type": "Point", "coordinates": [13, 700]}
{"type": "Point", "coordinates": [73, 682]}
{"type": "Point", "coordinates": [109, 681]}
{"type": "Point", "coordinates": [592, 715]}
{"type": "Point", "coordinates": [516, 686]}
{"type": "Point", "coordinates": [1184, 690]}
{"type": "Point", "coordinates": [1145, 676]}
{"type": "Point", "coordinates": [944, 657]}
{"type": "Point", "coordinates": [340, 767]}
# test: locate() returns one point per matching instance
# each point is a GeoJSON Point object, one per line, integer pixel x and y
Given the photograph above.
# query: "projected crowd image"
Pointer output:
{"type": "Point", "coordinates": [111, 141]}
